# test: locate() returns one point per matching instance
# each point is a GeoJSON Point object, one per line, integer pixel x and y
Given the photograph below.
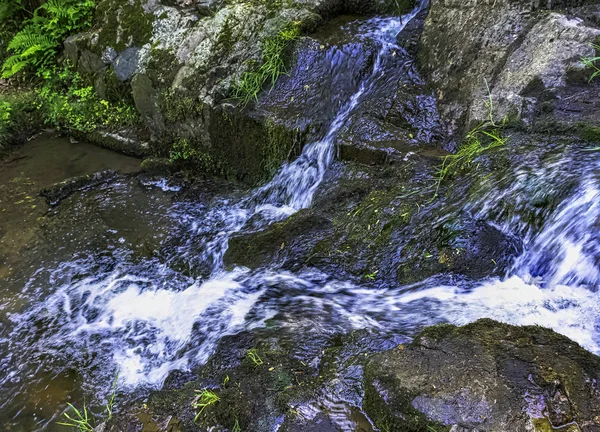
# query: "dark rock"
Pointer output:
{"type": "Point", "coordinates": [145, 100]}
{"type": "Point", "coordinates": [90, 63]}
{"type": "Point", "coordinates": [208, 7]}
{"type": "Point", "coordinates": [287, 244]}
{"type": "Point", "coordinates": [158, 166]}
{"type": "Point", "coordinates": [132, 141]}
{"type": "Point", "coordinates": [58, 192]}
{"type": "Point", "coordinates": [484, 376]}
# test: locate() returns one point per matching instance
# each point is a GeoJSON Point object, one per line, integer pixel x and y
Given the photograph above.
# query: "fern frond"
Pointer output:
{"type": "Point", "coordinates": [13, 65]}
{"type": "Point", "coordinates": [24, 40]}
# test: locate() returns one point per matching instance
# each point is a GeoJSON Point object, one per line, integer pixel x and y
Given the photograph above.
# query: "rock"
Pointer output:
{"type": "Point", "coordinates": [127, 63]}
{"type": "Point", "coordinates": [184, 58]}
{"type": "Point", "coordinates": [158, 166]}
{"type": "Point", "coordinates": [74, 45]}
{"type": "Point", "coordinates": [58, 192]}
{"type": "Point", "coordinates": [207, 7]}
{"type": "Point", "coordinates": [286, 244]}
{"type": "Point", "coordinates": [527, 58]}
{"type": "Point", "coordinates": [90, 63]}
{"type": "Point", "coordinates": [484, 376]}
{"type": "Point", "coordinates": [109, 55]}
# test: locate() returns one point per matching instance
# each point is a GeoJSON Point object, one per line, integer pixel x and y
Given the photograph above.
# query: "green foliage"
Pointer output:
{"type": "Point", "coordinates": [593, 62]}
{"type": "Point", "coordinates": [204, 399]}
{"type": "Point", "coordinates": [17, 116]}
{"type": "Point", "coordinates": [80, 420]}
{"type": "Point", "coordinates": [179, 107]}
{"type": "Point", "coordinates": [182, 150]}
{"type": "Point", "coordinates": [36, 45]}
{"type": "Point", "coordinates": [5, 121]}
{"type": "Point", "coordinates": [68, 103]}
{"type": "Point", "coordinates": [83, 420]}
{"type": "Point", "coordinates": [253, 357]}
{"type": "Point", "coordinates": [272, 67]}
{"type": "Point", "coordinates": [484, 137]}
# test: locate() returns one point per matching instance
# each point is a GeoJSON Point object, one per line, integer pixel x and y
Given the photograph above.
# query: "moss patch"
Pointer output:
{"type": "Point", "coordinates": [122, 24]}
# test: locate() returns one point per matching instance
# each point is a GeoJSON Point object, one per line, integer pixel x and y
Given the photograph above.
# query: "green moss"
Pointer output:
{"type": "Point", "coordinates": [123, 24]}
{"type": "Point", "coordinates": [117, 91]}
{"type": "Point", "coordinates": [192, 154]}
{"type": "Point", "coordinates": [277, 147]}
{"type": "Point", "coordinates": [403, 417]}
{"type": "Point", "coordinates": [590, 133]}
{"type": "Point", "coordinates": [162, 67]}
{"type": "Point", "coordinates": [177, 106]}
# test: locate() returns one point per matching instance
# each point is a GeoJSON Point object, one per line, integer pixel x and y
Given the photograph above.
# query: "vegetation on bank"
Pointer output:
{"type": "Point", "coordinates": [59, 96]}
{"type": "Point", "coordinates": [482, 138]}
{"type": "Point", "coordinates": [593, 62]}
{"type": "Point", "coordinates": [272, 67]}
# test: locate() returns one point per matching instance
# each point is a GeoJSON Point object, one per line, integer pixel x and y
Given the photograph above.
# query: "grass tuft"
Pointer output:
{"type": "Point", "coordinates": [593, 62]}
{"type": "Point", "coordinates": [253, 356]}
{"type": "Point", "coordinates": [80, 420]}
{"type": "Point", "coordinates": [484, 137]}
{"type": "Point", "coordinates": [272, 67]}
{"type": "Point", "coordinates": [204, 399]}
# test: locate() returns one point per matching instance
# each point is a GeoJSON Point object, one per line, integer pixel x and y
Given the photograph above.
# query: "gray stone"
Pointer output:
{"type": "Point", "coordinates": [485, 376]}
{"type": "Point", "coordinates": [144, 97]}
{"type": "Point", "coordinates": [126, 64]}
{"type": "Point", "coordinates": [208, 7]}
{"type": "Point", "coordinates": [524, 57]}
{"type": "Point", "coordinates": [74, 45]}
{"type": "Point", "coordinates": [90, 63]}
{"type": "Point", "coordinates": [109, 55]}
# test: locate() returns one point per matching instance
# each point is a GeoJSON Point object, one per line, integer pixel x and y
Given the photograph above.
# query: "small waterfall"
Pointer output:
{"type": "Point", "coordinates": [146, 318]}
{"type": "Point", "coordinates": [295, 184]}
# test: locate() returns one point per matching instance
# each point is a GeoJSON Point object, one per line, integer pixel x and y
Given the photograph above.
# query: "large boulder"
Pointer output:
{"type": "Point", "coordinates": [526, 54]}
{"type": "Point", "coordinates": [179, 62]}
{"type": "Point", "coordinates": [485, 376]}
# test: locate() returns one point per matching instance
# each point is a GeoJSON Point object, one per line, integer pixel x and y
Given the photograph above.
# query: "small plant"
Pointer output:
{"type": "Point", "coordinates": [113, 395]}
{"type": "Point", "coordinates": [5, 118]}
{"type": "Point", "coordinates": [83, 420]}
{"type": "Point", "coordinates": [593, 62]}
{"type": "Point", "coordinates": [254, 358]}
{"type": "Point", "coordinates": [272, 67]}
{"type": "Point", "coordinates": [80, 420]}
{"type": "Point", "coordinates": [182, 150]}
{"type": "Point", "coordinates": [236, 426]}
{"type": "Point", "coordinates": [67, 103]}
{"type": "Point", "coordinates": [484, 137]}
{"type": "Point", "coordinates": [203, 399]}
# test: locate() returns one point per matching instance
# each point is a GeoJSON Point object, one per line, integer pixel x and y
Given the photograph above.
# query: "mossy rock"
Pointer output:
{"type": "Point", "coordinates": [485, 376]}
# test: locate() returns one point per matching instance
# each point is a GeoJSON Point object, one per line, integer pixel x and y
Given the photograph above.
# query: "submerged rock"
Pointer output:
{"type": "Point", "coordinates": [58, 192]}
{"type": "Point", "coordinates": [484, 376]}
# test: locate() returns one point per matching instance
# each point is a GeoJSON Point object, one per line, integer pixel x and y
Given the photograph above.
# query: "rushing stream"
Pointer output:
{"type": "Point", "coordinates": [96, 300]}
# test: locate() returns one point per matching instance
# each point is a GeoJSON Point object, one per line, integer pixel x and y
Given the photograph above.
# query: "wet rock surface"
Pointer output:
{"type": "Point", "coordinates": [484, 376]}
{"type": "Point", "coordinates": [529, 53]}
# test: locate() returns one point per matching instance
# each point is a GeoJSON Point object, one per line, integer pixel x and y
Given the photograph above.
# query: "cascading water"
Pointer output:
{"type": "Point", "coordinates": [122, 310]}
{"type": "Point", "coordinates": [134, 316]}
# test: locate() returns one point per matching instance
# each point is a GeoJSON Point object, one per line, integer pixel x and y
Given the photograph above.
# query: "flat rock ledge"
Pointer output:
{"type": "Point", "coordinates": [485, 376]}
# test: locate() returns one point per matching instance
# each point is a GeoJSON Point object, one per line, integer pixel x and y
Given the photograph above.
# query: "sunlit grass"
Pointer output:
{"type": "Point", "coordinates": [272, 67]}
{"type": "Point", "coordinates": [204, 399]}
